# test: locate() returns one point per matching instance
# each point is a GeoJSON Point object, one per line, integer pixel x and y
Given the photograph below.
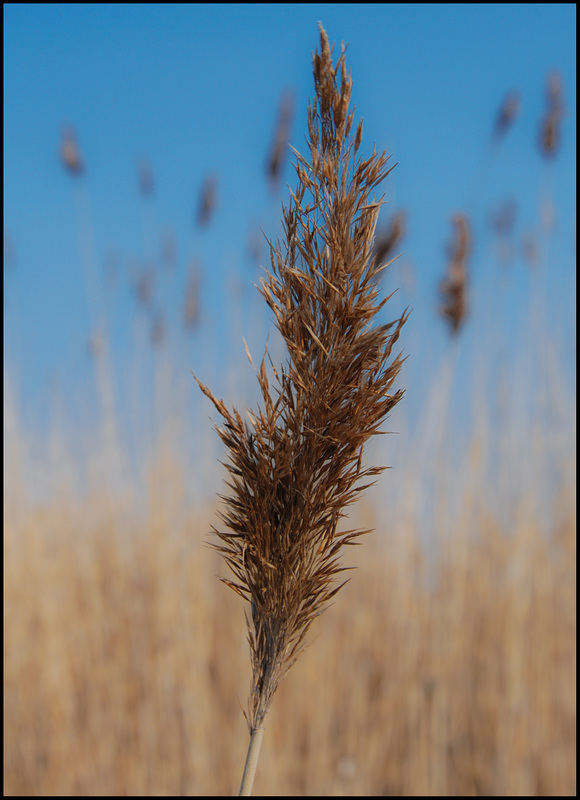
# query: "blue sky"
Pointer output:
{"type": "Point", "coordinates": [195, 90]}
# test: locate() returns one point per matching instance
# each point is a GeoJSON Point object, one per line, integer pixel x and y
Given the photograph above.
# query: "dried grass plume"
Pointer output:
{"type": "Point", "coordinates": [454, 285]}
{"type": "Point", "coordinates": [298, 462]}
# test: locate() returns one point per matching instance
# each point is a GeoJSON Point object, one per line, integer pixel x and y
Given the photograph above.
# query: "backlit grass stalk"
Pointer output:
{"type": "Point", "coordinates": [298, 462]}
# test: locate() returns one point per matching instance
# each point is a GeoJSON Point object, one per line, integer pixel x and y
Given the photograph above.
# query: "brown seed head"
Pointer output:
{"type": "Point", "coordinates": [389, 239]}
{"type": "Point", "coordinates": [207, 201]}
{"type": "Point", "coordinates": [297, 464]}
{"type": "Point", "coordinates": [454, 286]}
{"type": "Point", "coordinates": [279, 149]}
{"type": "Point", "coordinates": [70, 153]}
{"type": "Point", "coordinates": [507, 114]}
{"type": "Point", "coordinates": [551, 124]}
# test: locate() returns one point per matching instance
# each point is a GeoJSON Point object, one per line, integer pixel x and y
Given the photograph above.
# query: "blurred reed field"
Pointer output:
{"type": "Point", "coordinates": [446, 666]}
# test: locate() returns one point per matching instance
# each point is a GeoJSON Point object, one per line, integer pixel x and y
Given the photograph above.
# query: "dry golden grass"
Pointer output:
{"type": "Point", "coordinates": [124, 658]}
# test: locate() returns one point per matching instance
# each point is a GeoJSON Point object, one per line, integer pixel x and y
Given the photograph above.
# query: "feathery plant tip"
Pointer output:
{"type": "Point", "coordinates": [297, 464]}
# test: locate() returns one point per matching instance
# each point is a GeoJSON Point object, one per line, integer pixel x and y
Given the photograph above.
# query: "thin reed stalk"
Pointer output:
{"type": "Point", "coordinates": [298, 462]}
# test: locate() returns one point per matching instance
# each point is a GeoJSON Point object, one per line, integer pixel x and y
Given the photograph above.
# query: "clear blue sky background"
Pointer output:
{"type": "Point", "coordinates": [195, 89]}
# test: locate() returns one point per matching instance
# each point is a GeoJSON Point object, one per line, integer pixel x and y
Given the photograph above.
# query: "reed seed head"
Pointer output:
{"type": "Point", "coordinates": [298, 463]}
{"type": "Point", "coordinates": [207, 201]}
{"type": "Point", "coordinates": [454, 286]}
{"type": "Point", "coordinates": [279, 148]}
{"type": "Point", "coordinates": [507, 114]}
{"type": "Point", "coordinates": [389, 239]}
{"type": "Point", "coordinates": [70, 153]}
{"type": "Point", "coordinates": [550, 134]}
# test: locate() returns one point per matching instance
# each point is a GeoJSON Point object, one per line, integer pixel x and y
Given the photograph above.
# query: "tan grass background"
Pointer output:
{"type": "Point", "coordinates": [125, 660]}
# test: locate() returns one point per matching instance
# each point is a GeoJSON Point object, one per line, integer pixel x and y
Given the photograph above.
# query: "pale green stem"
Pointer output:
{"type": "Point", "coordinates": [251, 762]}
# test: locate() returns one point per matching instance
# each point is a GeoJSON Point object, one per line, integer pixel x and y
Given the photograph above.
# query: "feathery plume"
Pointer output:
{"type": "Point", "coordinates": [550, 135]}
{"type": "Point", "coordinates": [297, 464]}
{"type": "Point", "coordinates": [454, 286]}
{"type": "Point", "coordinates": [279, 148]}
{"type": "Point", "coordinates": [70, 153]}
{"type": "Point", "coordinates": [390, 238]}
{"type": "Point", "coordinates": [507, 114]}
{"type": "Point", "coordinates": [207, 201]}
